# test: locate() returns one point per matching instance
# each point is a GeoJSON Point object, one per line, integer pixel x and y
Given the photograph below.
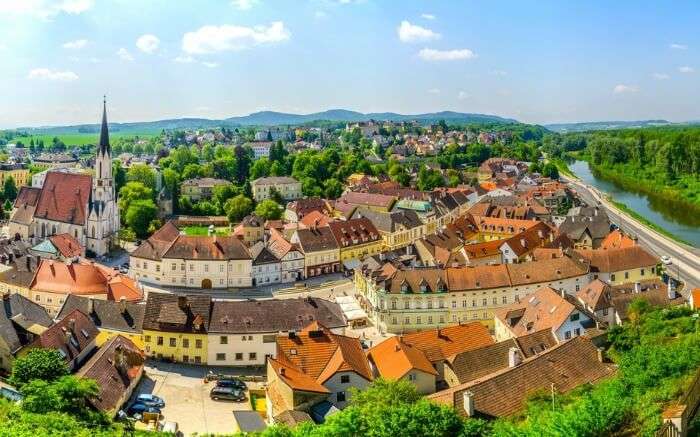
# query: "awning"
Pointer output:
{"type": "Point", "coordinates": [351, 308]}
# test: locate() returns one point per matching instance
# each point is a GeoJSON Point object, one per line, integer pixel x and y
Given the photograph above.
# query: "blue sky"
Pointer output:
{"type": "Point", "coordinates": [536, 61]}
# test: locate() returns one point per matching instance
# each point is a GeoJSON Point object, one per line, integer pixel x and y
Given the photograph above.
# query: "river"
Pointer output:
{"type": "Point", "coordinates": [668, 215]}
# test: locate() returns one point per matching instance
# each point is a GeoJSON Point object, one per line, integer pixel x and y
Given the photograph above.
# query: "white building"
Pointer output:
{"type": "Point", "coordinates": [287, 187]}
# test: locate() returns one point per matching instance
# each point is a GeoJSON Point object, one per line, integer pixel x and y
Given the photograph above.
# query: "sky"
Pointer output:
{"type": "Point", "coordinates": [538, 61]}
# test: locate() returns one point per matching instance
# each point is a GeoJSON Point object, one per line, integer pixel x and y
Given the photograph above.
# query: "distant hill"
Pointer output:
{"type": "Point", "coordinates": [270, 118]}
{"type": "Point", "coordinates": [604, 125]}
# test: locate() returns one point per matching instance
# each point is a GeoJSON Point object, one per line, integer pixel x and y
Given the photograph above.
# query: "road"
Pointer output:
{"type": "Point", "coordinates": [686, 259]}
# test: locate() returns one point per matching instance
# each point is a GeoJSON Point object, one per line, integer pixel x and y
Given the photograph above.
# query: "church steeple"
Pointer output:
{"type": "Point", "coordinates": [104, 131]}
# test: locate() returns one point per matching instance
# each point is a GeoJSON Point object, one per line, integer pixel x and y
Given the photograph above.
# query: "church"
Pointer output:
{"type": "Point", "coordinates": [81, 205]}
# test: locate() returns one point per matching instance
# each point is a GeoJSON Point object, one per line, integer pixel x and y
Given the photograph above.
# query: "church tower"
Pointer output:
{"type": "Point", "coordinates": [103, 211]}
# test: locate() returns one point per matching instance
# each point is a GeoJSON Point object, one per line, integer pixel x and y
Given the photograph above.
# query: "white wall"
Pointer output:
{"type": "Point", "coordinates": [335, 385]}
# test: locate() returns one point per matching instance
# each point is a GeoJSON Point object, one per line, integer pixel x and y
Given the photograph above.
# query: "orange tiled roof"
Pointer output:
{"type": "Point", "coordinates": [438, 344]}
{"type": "Point", "coordinates": [543, 309]}
{"type": "Point", "coordinates": [295, 378]}
{"type": "Point", "coordinates": [617, 239]}
{"type": "Point", "coordinates": [393, 359]}
{"type": "Point", "coordinates": [66, 245]}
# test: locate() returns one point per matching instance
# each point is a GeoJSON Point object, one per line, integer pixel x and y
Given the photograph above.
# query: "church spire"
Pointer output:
{"type": "Point", "coordinates": [104, 132]}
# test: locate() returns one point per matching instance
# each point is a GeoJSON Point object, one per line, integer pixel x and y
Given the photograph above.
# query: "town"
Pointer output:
{"type": "Point", "coordinates": [290, 269]}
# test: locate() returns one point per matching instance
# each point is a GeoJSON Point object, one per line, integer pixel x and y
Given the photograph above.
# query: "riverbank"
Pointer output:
{"type": "Point", "coordinates": [641, 219]}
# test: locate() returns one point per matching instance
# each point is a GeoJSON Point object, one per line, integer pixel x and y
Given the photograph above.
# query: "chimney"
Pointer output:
{"type": "Point", "coordinates": [523, 242]}
{"type": "Point", "coordinates": [563, 293]}
{"type": "Point", "coordinates": [601, 355]}
{"type": "Point", "coordinates": [91, 306]}
{"type": "Point", "coordinates": [182, 302]}
{"type": "Point", "coordinates": [637, 287]}
{"type": "Point", "coordinates": [468, 403]}
{"type": "Point", "coordinates": [513, 357]}
{"type": "Point", "coordinates": [122, 305]}
{"type": "Point", "coordinates": [671, 290]}
{"type": "Point", "coordinates": [71, 325]}
{"type": "Point", "coordinates": [540, 234]}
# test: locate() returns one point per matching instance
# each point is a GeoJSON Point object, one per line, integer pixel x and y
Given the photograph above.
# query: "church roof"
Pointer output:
{"type": "Point", "coordinates": [64, 198]}
{"type": "Point", "coordinates": [104, 131]}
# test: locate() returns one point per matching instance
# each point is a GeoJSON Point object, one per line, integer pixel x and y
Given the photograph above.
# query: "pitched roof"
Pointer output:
{"type": "Point", "coordinates": [354, 232]}
{"type": "Point", "coordinates": [595, 295]}
{"type": "Point", "coordinates": [393, 359]}
{"type": "Point", "coordinates": [273, 315]}
{"type": "Point", "coordinates": [543, 309]}
{"type": "Point", "coordinates": [484, 249]}
{"type": "Point", "coordinates": [106, 314]}
{"type": "Point", "coordinates": [315, 218]}
{"type": "Point", "coordinates": [316, 239]}
{"type": "Point", "coordinates": [617, 239]}
{"type": "Point", "coordinates": [274, 180]}
{"type": "Point", "coordinates": [64, 198]}
{"type": "Point", "coordinates": [66, 245]}
{"type": "Point", "coordinates": [367, 199]}
{"type": "Point", "coordinates": [440, 343]}
{"type": "Point", "coordinates": [295, 377]}
{"type": "Point", "coordinates": [207, 248]}
{"type": "Point", "coordinates": [116, 367]}
{"type": "Point", "coordinates": [25, 205]}
{"type": "Point", "coordinates": [653, 291]}
{"type": "Point", "coordinates": [180, 313]}
{"type": "Point", "coordinates": [527, 240]}
{"type": "Point", "coordinates": [157, 244]}
{"type": "Point", "coordinates": [504, 392]}
{"type": "Point", "coordinates": [615, 260]}
{"type": "Point", "coordinates": [20, 320]}
{"type": "Point", "coordinates": [70, 335]}
{"type": "Point", "coordinates": [390, 221]}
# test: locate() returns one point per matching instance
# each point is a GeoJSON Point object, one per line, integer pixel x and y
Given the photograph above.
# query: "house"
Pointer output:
{"type": "Point", "coordinates": [616, 239]}
{"type": "Point", "coordinates": [654, 292]}
{"type": "Point", "coordinates": [321, 251]}
{"type": "Point", "coordinates": [290, 255]}
{"type": "Point", "coordinates": [261, 148]}
{"type": "Point", "coordinates": [486, 252]}
{"type": "Point", "coordinates": [398, 229]}
{"type": "Point", "coordinates": [375, 202]}
{"type": "Point", "coordinates": [560, 369]}
{"type": "Point", "coordinates": [493, 228]}
{"type": "Point", "coordinates": [117, 368]}
{"type": "Point", "coordinates": [544, 309]}
{"type": "Point", "coordinates": [83, 206]}
{"type": "Point", "coordinates": [250, 229]}
{"type": "Point", "coordinates": [74, 337]}
{"type": "Point", "coordinates": [111, 318]}
{"type": "Point", "coordinates": [267, 268]}
{"type": "Point", "coordinates": [586, 227]}
{"type": "Point", "coordinates": [476, 363]}
{"type": "Point", "coordinates": [17, 171]}
{"type": "Point", "coordinates": [620, 265]}
{"type": "Point", "coordinates": [442, 248]}
{"type": "Point", "coordinates": [175, 327]}
{"type": "Point", "coordinates": [244, 333]}
{"type": "Point", "coordinates": [596, 297]}
{"type": "Point", "coordinates": [297, 209]}
{"type": "Point", "coordinates": [201, 188]}
{"type": "Point", "coordinates": [21, 320]}
{"type": "Point", "coordinates": [314, 365]}
{"type": "Point", "coordinates": [287, 187]}
{"type": "Point", "coordinates": [395, 360]}
{"type": "Point", "coordinates": [519, 247]}
{"type": "Point", "coordinates": [62, 247]}
{"type": "Point", "coordinates": [169, 258]}
{"type": "Point", "coordinates": [314, 219]}
{"type": "Point", "coordinates": [356, 238]}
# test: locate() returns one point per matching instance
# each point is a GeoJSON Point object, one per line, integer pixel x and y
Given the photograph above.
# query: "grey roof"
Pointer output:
{"type": "Point", "coordinates": [575, 226]}
{"type": "Point", "coordinates": [390, 221]}
{"type": "Point", "coordinates": [249, 421]}
{"type": "Point", "coordinates": [16, 315]}
{"type": "Point", "coordinates": [273, 315]}
{"type": "Point", "coordinates": [317, 239]}
{"type": "Point", "coordinates": [106, 314]}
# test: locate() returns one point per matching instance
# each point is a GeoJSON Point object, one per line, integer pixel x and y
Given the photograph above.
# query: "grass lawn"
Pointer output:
{"type": "Point", "coordinates": [78, 139]}
{"type": "Point", "coordinates": [202, 230]}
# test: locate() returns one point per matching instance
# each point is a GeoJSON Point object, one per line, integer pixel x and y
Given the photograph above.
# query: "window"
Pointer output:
{"type": "Point", "coordinates": [243, 338]}
{"type": "Point", "coordinates": [641, 272]}
{"type": "Point", "coordinates": [221, 357]}
{"type": "Point", "coordinates": [407, 304]}
{"type": "Point", "coordinates": [344, 379]}
{"type": "Point", "coordinates": [185, 342]}
{"type": "Point", "coordinates": [454, 304]}
{"type": "Point", "coordinates": [223, 339]}
{"type": "Point", "coordinates": [567, 335]}
{"type": "Point", "coordinates": [197, 359]}
{"type": "Point", "coordinates": [270, 338]}
{"type": "Point", "coordinates": [627, 275]}
{"type": "Point", "coordinates": [612, 277]}
{"type": "Point", "coordinates": [484, 302]}
{"type": "Point", "coordinates": [252, 356]}
{"type": "Point", "coordinates": [340, 396]}
{"type": "Point", "coordinates": [574, 317]}
{"type": "Point", "coordinates": [173, 342]}
{"type": "Point", "coordinates": [173, 266]}
{"type": "Point", "coordinates": [185, 358]}
{"type": "Point", "coordinates": [191, 267]}
{"type": "Point", "coordinates": [495, 300]}
{"type": "Point", "coordinates": [157, 267]}
{"type": "Point", "coordinates": [474, 302]}
{"type": "Point", "coordinates": [578, 287]}
{"type": "Point", "coordinates": [160, 341]}
{"type": "Point", "coordinates": [407, 321]}
{"type": "Point", "coordinates": [577, 331]}
{"type": "Point", "coordinates": [430, 320]}
{"type": "Point", "coordinates": [418, 320]}
{"type": "Point", "coordinates": [504, 299]}
{"type": "Point", "coordinates": [206, 268]}
{"type": "Point", "coordinates": [147, 338]}
{"type": "Point", "coordinates": [412, 377]}
{"type": "Point", "coordinates": [605, 311]}
{"type": "Point", "coordinates": [239, 356]}
{"type": "Point", "coordinates": [198, 344]}
{"type": "Point", "coordinates": [393, 304]}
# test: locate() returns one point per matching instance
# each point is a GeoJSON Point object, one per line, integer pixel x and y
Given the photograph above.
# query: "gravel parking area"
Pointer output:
{"type": "Point", "coordinates": [187, 399]}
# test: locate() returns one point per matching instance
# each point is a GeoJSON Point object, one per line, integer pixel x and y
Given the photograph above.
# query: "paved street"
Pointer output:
{"type": "Point", "coordinates": [686, 259]}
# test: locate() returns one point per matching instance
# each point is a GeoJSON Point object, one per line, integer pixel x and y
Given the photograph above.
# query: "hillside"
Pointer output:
{"type": "Point", "coordinates": [603, 125]}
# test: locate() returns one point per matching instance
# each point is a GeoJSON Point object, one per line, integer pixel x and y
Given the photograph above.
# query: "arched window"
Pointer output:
{"type": "Point", "coordinates": [43, 229]}
{"type": "Point", "coordinates": [53, 230]}
{"type": "Point", "coordinates": [93, 232]}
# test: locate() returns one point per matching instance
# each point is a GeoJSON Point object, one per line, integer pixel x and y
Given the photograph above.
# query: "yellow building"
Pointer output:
{"type": "Point", "coordinates": [356, 238]}
{"type": "Point", "coordinates": [175, 327]}
{"type": "Point", "coordinates": [111, 318]}
{"type": "Point", "coordinates": [622, 265]}
{"type": "Point", "coordinates": [496, 228]}
{"type": "Point", "coordinates": [19, 172]}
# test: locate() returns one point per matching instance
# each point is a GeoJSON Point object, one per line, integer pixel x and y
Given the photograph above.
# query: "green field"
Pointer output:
{"type": "Point", "coordinates": [202, 230]}
{"type": "Point", "coordinates": [78, 139]}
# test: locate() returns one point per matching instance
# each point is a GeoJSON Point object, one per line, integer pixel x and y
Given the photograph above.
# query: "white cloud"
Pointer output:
{"type": "Point", "coordinates": [320, 14]}
{"type": "Point", "coordinates": [660, 76]}
{"type": "Point", "coordinates": [446, 55]}
{"type": "Point", "coordinates": [44, 9]}
{"type": "Point", "coordinates": [428, 16]}
{"type": "Point", "coordinates": [686, 69]}
{"type": "Point", "coordinates": [213, 39]}
{"type": "Point", "coordinates": [75, 45]}
{"type": "Point", "coordinates": [499, 73]}
{"type": "Point", "coordinates": [412, 33]}
{"type": "Point", "coordinates": [244, 5]}
{"type": "Point", "coordinates": [678, 46]}
{"type": "Point", "coordinates": [434, 90]}
{"type": "Point", "coordinates": [623, 89]}
{"type": "Point", "coordinates": [462, 95]}
{"type": "Point", "coordinates": [47, 74]}
{"type": "Point", "coordinates": [124, 54]}
{"type": "Point", "coordinates": [210, 64]}
{"type": "Point", "coordinates": [185, 59]}
{"type": "Point", "coordinates": [148, 43]}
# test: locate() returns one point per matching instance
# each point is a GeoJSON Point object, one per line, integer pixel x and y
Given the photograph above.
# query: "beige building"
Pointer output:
{"type": "Point", "coordinates": [18, 172]}
{"type": "Point", "coordinates": [288, 188]}
{"type": "Point", "coordinates": [201, 188]}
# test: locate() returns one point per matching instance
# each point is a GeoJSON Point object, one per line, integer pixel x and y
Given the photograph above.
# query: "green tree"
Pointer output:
{"type": "Point", "coordinates": [118, 174]}
{"type": "Point", "coordinates": [131, 192]}
{"type": "Point", "coordinates": [139, 216]}
{"type": "Point", "coordinates": [260, 168]}
{"type": "Point", "coordinates": [237, 208]}
{"type": "Point", "coordinates": [142, 173]}
{"type": "Point", "coordinates": [10, 189]}
{"type": "Point", "coordinates": [549, 170]}
{"type": "Point", "coordinates": [39, 364]}
{"type": "Point", "coordinates": [269, 210]}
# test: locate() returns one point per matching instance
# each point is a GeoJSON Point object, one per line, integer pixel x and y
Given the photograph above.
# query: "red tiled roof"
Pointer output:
{"type": "Point", "coordinates": [72, 335]}
{"type": "Point", "coordinates": [393, 359]}
{"type": "Point", "coordinates": [66, 245]}
{"type": "Point", "coordinates": [64, 198]}
{"type": "Point", "coordinates": [438, 344]}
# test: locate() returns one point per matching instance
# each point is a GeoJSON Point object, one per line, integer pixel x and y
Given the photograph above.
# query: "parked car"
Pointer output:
{"type": "Point", "coordinates": [137, 409]}
{"type": "Point", "coordinates": [232, 383]}
{"type": "Point", "coordinates": [666, 260]}
{"type": "Point", "coordinates": [150, 400]}
{"type": "Point", "coordinates": [227, 393]}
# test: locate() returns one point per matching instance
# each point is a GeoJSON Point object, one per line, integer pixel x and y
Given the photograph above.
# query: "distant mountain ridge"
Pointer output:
{"type": "Point", "coordinates": [272, 118]}
{"type": "Point", "coordinates": [604, 125]}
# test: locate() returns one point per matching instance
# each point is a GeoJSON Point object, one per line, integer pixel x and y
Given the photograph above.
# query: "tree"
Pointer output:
{"type": "Point", "coordinates": [192, 171]}
{"type": "Point", "coordinates": [429, 179]}
{"type": "Point", "coordinates": [10, 189]}
{"type": "Point", "coordinates": [39, 364]}
{"type": "Point", "coordinates": [260, 168]}
{"type": "Point", "coordinates": [549, 170]}
{"type": "Point", "coordinates": [243, 160]}
{"type": "Point", "coordinates": [139, 216]}
{"type": "Point", "coordinates": [132, 192]}
{"type": "Point", "coordinates": [118, 174]}
{"type": "Point", "coordinates": [269, 210]}
{"type": "Point", "coordinates": [237, 208]}
{"type": "Point", "coordinates": [142, 173]}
